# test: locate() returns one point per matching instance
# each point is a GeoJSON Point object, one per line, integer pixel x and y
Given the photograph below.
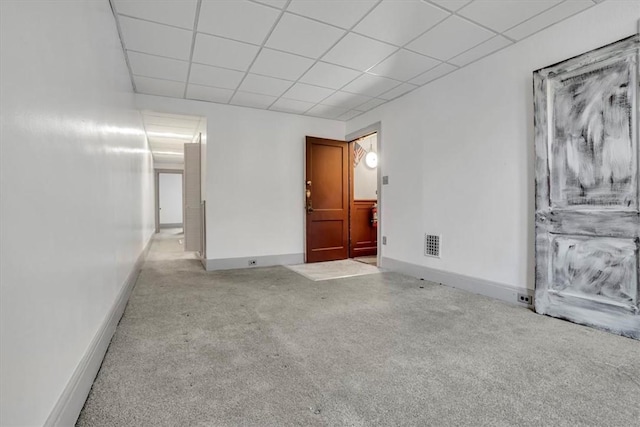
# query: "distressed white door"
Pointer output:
{"type": "Point", "coordinates": [587, 197]}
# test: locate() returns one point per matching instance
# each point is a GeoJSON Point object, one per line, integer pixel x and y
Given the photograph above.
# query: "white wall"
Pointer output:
{"type": "Point", "coordinates": [365, 179]}
{"type": "Point", "coordinates": [170, 198]}
{"type": "Point", "coordinates": [77, 194]}
{"type": "Point", "coordinates": [459, 153]}
{"type": "Point", "coordinates": [255, 175]}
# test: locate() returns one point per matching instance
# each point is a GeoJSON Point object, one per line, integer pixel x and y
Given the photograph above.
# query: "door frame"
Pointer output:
{"type": "Point", "coordinates": [368, 130]}
{"type": "Point", "coordinates": [156, 173]}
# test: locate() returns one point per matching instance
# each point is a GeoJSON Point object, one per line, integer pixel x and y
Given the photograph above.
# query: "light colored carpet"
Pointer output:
{"type": "Point", "coordinates": [268, 347]}
{"type": "Point", "coordinates": [333, 269]}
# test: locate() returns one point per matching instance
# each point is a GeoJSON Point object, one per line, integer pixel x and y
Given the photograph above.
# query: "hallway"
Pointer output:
{"type": "Point", "coordinates": [269, 347]}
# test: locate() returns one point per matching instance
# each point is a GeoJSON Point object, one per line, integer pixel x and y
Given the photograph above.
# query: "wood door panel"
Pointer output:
{"type": "Point", "coordinates": [326, 176]}
{"type": "Point", "coordinates": [364, 235]}
{"type": "Point", "coordinates": [327, 207]}
{"type": "Point", "coordinates": [328, 234]}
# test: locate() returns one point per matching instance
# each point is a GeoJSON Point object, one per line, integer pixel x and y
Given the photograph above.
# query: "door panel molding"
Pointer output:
{"type": "Point", "coordinates": [587, 219]}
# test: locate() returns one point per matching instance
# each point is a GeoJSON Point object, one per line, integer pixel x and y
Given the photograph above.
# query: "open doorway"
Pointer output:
{"type": "Point", "coordinates": [342, 199]}
{"type": "Point", "coordinates": [170, 206]}
{"type": "Point", "coordinates": [363, 217]}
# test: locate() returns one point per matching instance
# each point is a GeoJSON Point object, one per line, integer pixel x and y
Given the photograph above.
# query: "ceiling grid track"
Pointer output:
{"type": "Point", "coordinates": [358, 87]}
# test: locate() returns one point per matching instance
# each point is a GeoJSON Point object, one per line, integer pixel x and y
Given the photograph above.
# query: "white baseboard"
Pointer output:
{"type": "Point", "coordinates": [172, 225]}
{"type": "Point", "coordinates": [70, 403]}
{"type": "Point", "coordinates": [261, 261]}
{"type": "Point", "coordinates": [459, 281]}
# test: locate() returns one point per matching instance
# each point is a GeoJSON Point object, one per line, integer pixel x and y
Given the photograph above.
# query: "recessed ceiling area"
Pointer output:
{"type": "Point", "coordinates": [167, 134]}
{"type": "Point", "coordinates": [322, 58]}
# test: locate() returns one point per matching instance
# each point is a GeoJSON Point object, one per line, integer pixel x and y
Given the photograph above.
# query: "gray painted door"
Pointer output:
{"type": "Point", "coordinates": [587, 197]}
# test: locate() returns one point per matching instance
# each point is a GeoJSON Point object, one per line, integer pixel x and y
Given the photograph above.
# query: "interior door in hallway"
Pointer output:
{"type": "Point", "coordinates": [327, 199]}
{"type": "Point", "coordinates": [587, 194]}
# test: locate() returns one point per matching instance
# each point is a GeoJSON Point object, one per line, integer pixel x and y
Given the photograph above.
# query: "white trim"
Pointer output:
{"type": "Point", "coordinates": [459, 281]}
{"type": "Point", "coordinates": [71, 401]}
{"type": "Point", "coordinates": [261, 261]}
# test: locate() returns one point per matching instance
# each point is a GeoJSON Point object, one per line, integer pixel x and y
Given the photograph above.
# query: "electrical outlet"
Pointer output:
{"type": "Point", "coordinates": [253, 262]}
{"type": "Point", "coordinates": [384, 240]}
{"type": "Point", "coordinates": [525, 299]}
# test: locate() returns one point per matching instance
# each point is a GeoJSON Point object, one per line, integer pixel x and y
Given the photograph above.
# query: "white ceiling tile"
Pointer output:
{"type": "Point", "coordinates": [206, 93]}
{"type": "Point", "coordinates": [181, 13]}
{"type": "Point", "coordinates": [450, 38]}
{"type": "Point", "coordinates": [308, 93]}
{"type": "Point", "coordinates": [252, 100]}
{"type": "Point", "coordinates": [329, 75]}
{"type": "Point", "coordinates": [346, 100]}
{"type": "Point", "coordinates": [265, 85]}
{"type": "Point", "coordinates": [370, 85]}
{"type": "Point", "coordinates": [326, 111]}
{"type": "Point", "coordinates": [398, 22]}
{"type": "Point", "coordinates": [274, 3]}
{"type": "Point", "coordinates": [500, 15]}
{"type": "Point", "coordinates": [548, 17]}
{"type": "Point", "coordinates": [157, 66]}
{"type": "Point", "coordinates": [223, 53]}
{"type": "Point", "coordinates": [291, 106]}
{"type": "Point", "coordinates": [370, 105]}
{"type": "Point", "coordinates": [303, 36]}
{"type": "Point", "coordinates": [452, 5]}
{"type": "Point", "coordinates": [215, 76]}
{"type": "Point", "coordinates": [349, 115]}
{"type": "Point", "coordinates": [240, 20]}
{"type": "Point", "coordinates": [361, 53]}
{"type": "Point", "coordinates": [398, 91]}
{"type": "Point", "coordinates": [342, 13]}
{"type": "Point", "coordinates": [156, 39]}
{"type": "Point", "coordinates": [433, 74]}
{"type": "Point", "coordinates": [280, 64]}
{"type": "Point", "coordinates": [160, 87]}
{"type": "Point", "coordinates": [490, 46]}
{"type": "Point", "coordinates": [404, 65]}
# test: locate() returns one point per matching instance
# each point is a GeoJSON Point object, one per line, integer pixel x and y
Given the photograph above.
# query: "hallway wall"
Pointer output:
{"type": "Point", "coordinates": [254, 179]}
{"type": "Point", "coordinates": [459, 154]}
{"type": "Point", "coordinates": [77, 194]}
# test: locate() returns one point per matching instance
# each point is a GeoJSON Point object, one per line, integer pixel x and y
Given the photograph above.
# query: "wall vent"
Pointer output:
{"type": "Point", "coordinates": [432, 245]}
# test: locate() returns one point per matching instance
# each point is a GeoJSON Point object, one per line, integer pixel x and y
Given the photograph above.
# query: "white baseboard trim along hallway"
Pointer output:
{"type": "Point", "coordinates": [458, 281]}
{"type": "Point", "coordinates": [72, 399]}
{"type": "Point", "coordinates": [256, 261]}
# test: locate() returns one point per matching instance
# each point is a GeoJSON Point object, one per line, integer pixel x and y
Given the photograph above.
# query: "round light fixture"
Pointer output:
{"type": "Point", "coordinates": [371, 159]}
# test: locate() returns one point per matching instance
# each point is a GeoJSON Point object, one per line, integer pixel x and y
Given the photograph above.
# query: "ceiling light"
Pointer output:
{"type": "Point", "coordinates": [371, 159]}
{"type": "Point", "coordinates": [168, 153]}
{"type": "Point", "coordinates": [170, 135]}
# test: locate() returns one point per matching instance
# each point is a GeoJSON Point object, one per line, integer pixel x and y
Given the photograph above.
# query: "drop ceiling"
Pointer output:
{"type": "Point", "coordinates": [167, 134]}
{"type": "Point", "coordinates": [326, 58]}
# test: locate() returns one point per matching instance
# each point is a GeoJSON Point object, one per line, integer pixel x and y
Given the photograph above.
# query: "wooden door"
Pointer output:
{"type": "Point", "coordinates": [327, 199]}
{"type": "Point", "coordinates": [587, 194]}
{"type": "Point", "coordinates": [363, 235]}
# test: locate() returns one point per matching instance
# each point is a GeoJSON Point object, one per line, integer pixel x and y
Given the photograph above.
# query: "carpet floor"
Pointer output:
{"type": "Point", "coordinates": [268, 347]}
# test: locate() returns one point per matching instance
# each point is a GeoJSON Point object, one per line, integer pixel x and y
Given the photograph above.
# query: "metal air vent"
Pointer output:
{"type": "Point", "coordinates": [432, 245]}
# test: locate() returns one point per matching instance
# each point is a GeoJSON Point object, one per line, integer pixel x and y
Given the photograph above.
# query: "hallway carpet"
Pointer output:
{"type": "Point", "coordinates": [268, 347]}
